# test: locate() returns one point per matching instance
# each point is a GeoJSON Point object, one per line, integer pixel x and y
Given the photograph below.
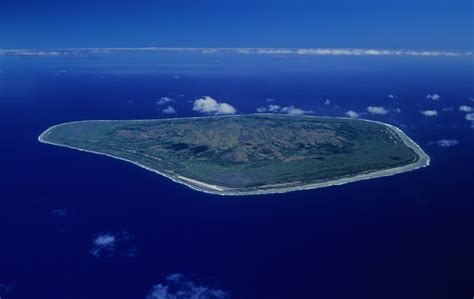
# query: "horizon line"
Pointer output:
{"type": "Point", "coordinates": [236, 50]}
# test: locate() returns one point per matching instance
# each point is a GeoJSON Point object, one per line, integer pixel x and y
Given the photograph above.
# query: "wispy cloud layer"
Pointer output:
{"type": "Point", "coordinates": [240, 51]}
{"type": "Point", "coordinates": [177, 286]}
{"type": "Point", "coordinates": [445, 142]}
{"type": "Point", "coordinates": [209, 105]}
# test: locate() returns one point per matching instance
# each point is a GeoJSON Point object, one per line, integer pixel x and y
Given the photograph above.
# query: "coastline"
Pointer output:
{"type": "Point", "coordinates": [423, 161]}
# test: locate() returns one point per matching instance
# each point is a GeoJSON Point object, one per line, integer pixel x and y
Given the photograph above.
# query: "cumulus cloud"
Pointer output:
{"type": "Point", "coordinates": [270, 108]}
{"type": "Point", "coordinates": [429, 112]}
{"type": "Point", "coordinates": [465, 108]}
{"type": "Point", "coordinates": [327, 101]}
{"type": "Point", "coordinates": [291, 110]}
{"type": "Point", "coordinates": [377, 110]}
{"type": "Point", "coordinates": [470, 116]}
{"type": "Point", "coordinates": [397, 110]}
{"type": "Point", "coordinates": [270, 100]}
{"type": "Point", "coordinates": [434, 97]}
{"type": "Point", "coordinates": [209, 105]}
{"type": "Point", "coordinates": [108, 244]}
{"type": "Point", "coordinates": [352, 114]}
{"type": "Point", "coordinates": [445, 142]}
{"type": "Point", "coordinates": [448, 109]}
{"type": "Point", "coordinates": [177, 286]}
{"type": "Point", "coordinates": [392, 96]}
{"type": "Point", "coordinates": [274, 108]}
{"type": "Point", "coordinates": [169, 110]}
{"type": "Point", "coordinates": [164, 100]}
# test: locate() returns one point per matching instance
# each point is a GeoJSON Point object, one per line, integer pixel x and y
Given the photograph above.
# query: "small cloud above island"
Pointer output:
{"type": "Point", "coordinates": [290, 110]}
{"type": "Point", "coordinates": [177, 286]}
{"type": "Point", "coordinates": [169, 110]}
{"type": "Point", "coordinates": [164, 100]}
{"type": "Point", "coordinates": [211, 106]}
{"type": "Point", "coordinates": [429, 113]}
{"type": "Point", "coordinates": [377, 110]}
{"type": "Point", "coordinates": [352, 114]}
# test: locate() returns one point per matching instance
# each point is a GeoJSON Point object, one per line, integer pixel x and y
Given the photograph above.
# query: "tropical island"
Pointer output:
{"type": "Point", "coordinates": [249, 154]}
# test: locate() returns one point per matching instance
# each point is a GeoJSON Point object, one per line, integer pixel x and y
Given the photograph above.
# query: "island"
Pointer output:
{"type": "Point", "coordinates": [249, 154]}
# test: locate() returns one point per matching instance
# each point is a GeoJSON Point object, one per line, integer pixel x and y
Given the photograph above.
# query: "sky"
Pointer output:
{"type": "Point", "coordinates": [379, 24]}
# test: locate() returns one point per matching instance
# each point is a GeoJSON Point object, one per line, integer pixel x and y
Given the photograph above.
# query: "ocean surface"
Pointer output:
{"type": "Point", "coordinates": [78, 225]}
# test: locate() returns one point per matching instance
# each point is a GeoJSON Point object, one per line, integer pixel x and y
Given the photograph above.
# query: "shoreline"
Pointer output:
{"type": "Point", "coordinates": [423, 161]}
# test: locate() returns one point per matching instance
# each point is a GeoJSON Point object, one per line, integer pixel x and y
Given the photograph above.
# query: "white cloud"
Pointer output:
{"type": "Point", "coordinates": [470, 116]}
{"type": "Point", "coordinates": [291, 110]}
{"type": "Point", "coordinates": [164, 100]}
{"type": "Point", "coordinates": [448, 109]}
{"type": "Point", "coordinates": [465, 108]}
{"type": "Point", "coordinates": [391, 96]}
{"type": "Point", "coordinates": [429, 112]}
{"type": "Point", "coordinates": [209, 105]}
{"type": "Point", "coordinates": [169, 110]}
{"type": "Point", "coordinates": [177, 286]}
{"type": "Point", "coordinates": [327, 101]}
{"type": "Point", "coordinates": [397, 110]}
{"type": "Point", "coordinates": [434, 97]}
{"type": "Point", "coordinates": [377, 110]}
{"type": "Point", "coordinates": [274, 108]}
{"type": "Point", "coordinates": [445, 142]}
{"type": "Point", "coordinates": [352, 114]}
{"type": "Point", "coordinates": [270, 100]}
{"type": "Point", "coordinates": [270, 108]}
{"type": "Point", "coordinates": [106, 245]}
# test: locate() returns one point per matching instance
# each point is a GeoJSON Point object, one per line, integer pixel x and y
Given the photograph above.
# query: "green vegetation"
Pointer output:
{"type": "Point", "coordinates": [248, 153]}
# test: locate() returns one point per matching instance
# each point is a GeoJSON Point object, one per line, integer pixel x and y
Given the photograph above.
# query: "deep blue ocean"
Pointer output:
{"type": "Point", "coordinates": [406, 236]}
